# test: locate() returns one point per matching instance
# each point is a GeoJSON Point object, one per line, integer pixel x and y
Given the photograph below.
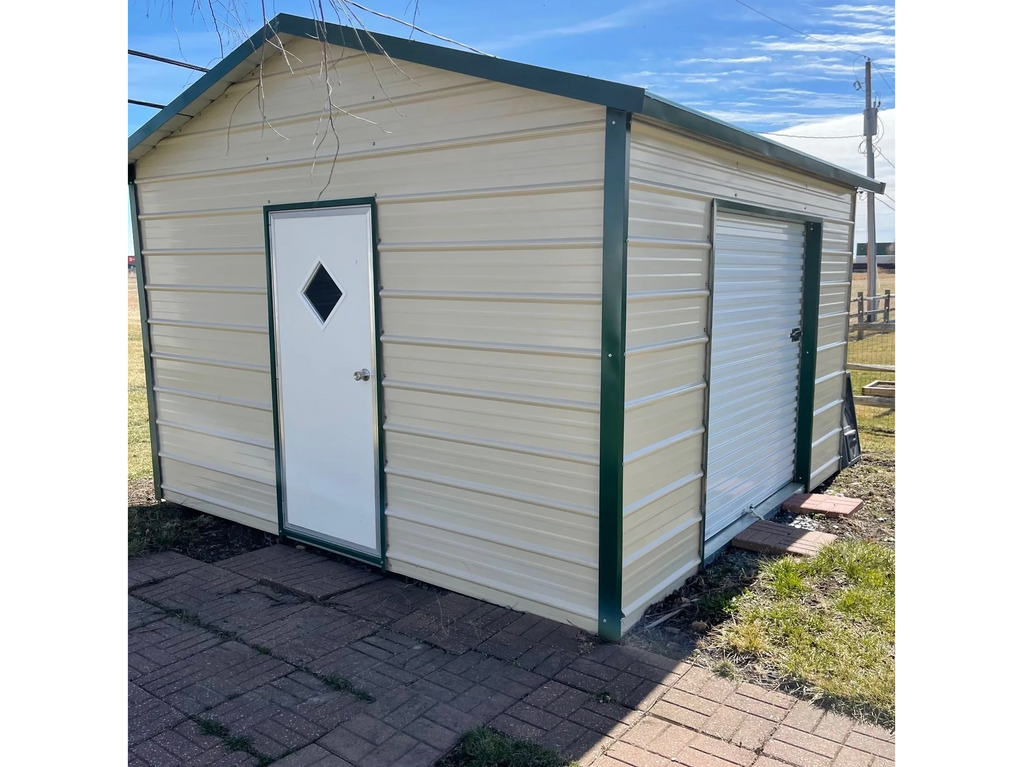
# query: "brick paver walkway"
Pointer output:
{"type": "Point", "coordinates": [295, 659]}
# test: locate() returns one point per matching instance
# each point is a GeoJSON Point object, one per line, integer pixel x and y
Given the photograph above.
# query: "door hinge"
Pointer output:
{"type": "Point", "coordinates": [796, 334]}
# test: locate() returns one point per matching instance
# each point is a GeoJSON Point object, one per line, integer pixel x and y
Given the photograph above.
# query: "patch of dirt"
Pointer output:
{"type": "Point", "coordinates": [873, 481]}
{"type": "Point", "coordinates": [686, 616]}
{"type": "Point", "coordinates": [166, 526]}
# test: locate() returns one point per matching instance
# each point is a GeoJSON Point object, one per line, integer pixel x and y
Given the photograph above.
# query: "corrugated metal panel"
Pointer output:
{"type": "Point", "coordinates": [832, 344]}
{"type": "Point", "coordinates": [665, 392]}
{"type": "Point", "coordinates": [669, 166]}
{"type": "Point", "coordinates": [754, 376]}
{"type": "Point", "coordinates": [664, 159]}
{"type": "Point", "coordinates": [490, 207]}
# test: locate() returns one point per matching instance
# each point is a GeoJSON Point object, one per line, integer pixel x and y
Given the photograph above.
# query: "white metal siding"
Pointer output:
{"type": "Point", "coordinates": [666, 347]}
{"type": "Point", "coordinates": [490, 207]}
{"type": "Point", "coordinates": [754, 371]}
{"type": "Point", "coordinates": [832, 346]}
{"type": "Point", "coordinates": [673, 179]}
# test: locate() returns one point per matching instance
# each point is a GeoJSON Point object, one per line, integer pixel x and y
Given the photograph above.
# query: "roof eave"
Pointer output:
{"type": "Point", "coordinates": [628, 98]}
{"type": "Point", "coordinates": [662, 110]}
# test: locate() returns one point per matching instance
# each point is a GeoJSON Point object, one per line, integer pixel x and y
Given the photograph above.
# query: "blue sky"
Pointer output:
{"type": "Point", "coordinates": [718, 57]}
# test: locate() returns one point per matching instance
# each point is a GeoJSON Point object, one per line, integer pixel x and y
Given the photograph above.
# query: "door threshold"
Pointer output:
{"type": "Point", "coordinates": [763, 510]}
{"type": "Point", "coordinates": [327, 544]}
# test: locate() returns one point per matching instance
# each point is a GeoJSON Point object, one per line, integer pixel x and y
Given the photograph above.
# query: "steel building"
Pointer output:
{"type": "Point", "coordinates": [542, 339]}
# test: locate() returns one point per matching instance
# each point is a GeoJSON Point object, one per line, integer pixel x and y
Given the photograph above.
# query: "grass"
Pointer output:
{"type": "Point", "coordinates": [824, 626]}
{"type": "Point", "coordinates": [483, 747]}
{"type": "Point", "coordinates": [338, 684]}
{"type": "Point", "coordinates": [164, 528]}
{"type": "Point", "coordinates": [212, 727]}
{"type": "Point", "coordinates": [885, 281]}
{"type": "Point", "coordinates": [231, 742]}
{"type": "Point", "coordinates": [872, 349]}
{"type": "Point", "coordinates": [140, 458]}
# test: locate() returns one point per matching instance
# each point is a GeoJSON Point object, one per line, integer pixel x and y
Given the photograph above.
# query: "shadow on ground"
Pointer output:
{"type": "Point", "coordinates": [284, 656]}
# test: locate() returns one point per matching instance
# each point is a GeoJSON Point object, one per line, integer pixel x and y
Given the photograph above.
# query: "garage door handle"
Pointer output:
{"type": "Point", "coordinates": [796, 334]}
{"type": "Point", "coordinates": [362, 375]}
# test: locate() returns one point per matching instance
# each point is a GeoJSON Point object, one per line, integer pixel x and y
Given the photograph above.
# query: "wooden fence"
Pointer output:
{"type": "Point", "coordinates": [872, 349]}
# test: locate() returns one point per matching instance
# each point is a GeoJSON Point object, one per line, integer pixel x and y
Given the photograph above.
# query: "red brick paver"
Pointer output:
{"type": "Point", "coordinates": [773, 538]}
{"type": "Point", "coordinates": [315, 663]}
{"type": "Point", "coordinates": [819, 503]}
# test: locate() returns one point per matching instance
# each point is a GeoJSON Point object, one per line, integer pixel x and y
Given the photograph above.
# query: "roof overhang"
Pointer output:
{"type": "Point", "coordinates": [662, 110]}
{"type": "Point", "coordinates": [629, 98]}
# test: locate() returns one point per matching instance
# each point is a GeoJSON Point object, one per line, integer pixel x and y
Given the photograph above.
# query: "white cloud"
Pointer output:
{"type": "Point", "coordinates": [620, 18]}
{"type": "Point", "coordinates": [879, 10]}
{"type": "Point", "coordinates": [743, 60]}
{"type": "Point", "coordinates": [846, 153]}
{"type": "Point", "coordinates": [827, 43]}
{"type": "Point", "coordinates": [859, 25]}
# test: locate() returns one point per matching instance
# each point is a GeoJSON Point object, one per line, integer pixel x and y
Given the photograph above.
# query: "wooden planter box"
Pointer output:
{"type": "Point", "coordinates": [880, 389]}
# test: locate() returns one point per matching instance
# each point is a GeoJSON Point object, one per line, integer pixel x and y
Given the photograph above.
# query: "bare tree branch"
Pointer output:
{"type": "Point", "coordinates": [412, 26]}
{"type": "Point", "coordinates": [229, 18]}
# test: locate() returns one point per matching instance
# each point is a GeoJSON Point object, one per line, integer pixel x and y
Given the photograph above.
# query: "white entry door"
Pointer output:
{"type": "Point", "coordinates": [322, 271]}
{"type": "Point", "coordinates": [754, 363]}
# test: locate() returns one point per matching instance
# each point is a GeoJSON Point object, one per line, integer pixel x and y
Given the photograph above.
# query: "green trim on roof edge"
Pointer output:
{"type": "Point", "coordinates": [628, 98]}
{"type": "Point", "coordinates": [203, 84]}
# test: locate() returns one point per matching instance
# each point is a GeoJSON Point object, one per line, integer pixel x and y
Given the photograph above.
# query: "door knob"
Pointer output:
{"type": "Point", "coordinates": [362, 375]}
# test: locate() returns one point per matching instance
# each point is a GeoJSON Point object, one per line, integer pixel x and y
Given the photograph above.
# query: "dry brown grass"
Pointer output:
{"type": "Point", "coordinates": [140, 458]}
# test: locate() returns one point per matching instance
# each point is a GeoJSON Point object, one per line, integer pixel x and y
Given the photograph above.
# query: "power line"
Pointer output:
{"type": "Point", "coordinates": [144, 103]}
{"type": "Point", "coordinates": [813, 37]}
{"type": "Point", "coordinates": [878, 150]}
{"type": "Point", "coordinates": [890, 207]}
{"type": "Point", "coordinates": [175, 62]}
{"type": "Point", "coordinates": [801, 32]}
{"type": "Point", "coordinates": [878, 70]}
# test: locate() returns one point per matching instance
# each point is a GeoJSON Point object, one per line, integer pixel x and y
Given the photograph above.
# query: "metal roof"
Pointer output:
{"type": "Point", "coordinates": [629, 98]}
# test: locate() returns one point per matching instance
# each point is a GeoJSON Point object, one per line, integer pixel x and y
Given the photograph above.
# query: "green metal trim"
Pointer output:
{"type": "Point", "coordinates": [614, 293]}
{"type": "Point", "coordinates": [381, 416]}
{"type": "Point", "coordinates": [344, 551]}
{"type": "Point", "coordinates": [588, 89]}
{"type": "Point", "coordinates": [707, 378]}
{"type": "Point", "coordinates": [181, 105]}
{"type": "Point", "coordinates": [278, 468]}
{"type": "Point", "coordinates": [808, 351]}
{"type": "Point", "coordinates": [140, 278]}
{"type": "Point", "coordinates": [378, 561]}
{"type": "Point", "coordinates": [661, 109]}
{"type": "Point", "coordinates": [759, 210]}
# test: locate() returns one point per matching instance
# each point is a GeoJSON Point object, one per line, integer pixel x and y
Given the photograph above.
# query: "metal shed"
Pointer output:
{"type": "Point", "coordinates": [542, 339]}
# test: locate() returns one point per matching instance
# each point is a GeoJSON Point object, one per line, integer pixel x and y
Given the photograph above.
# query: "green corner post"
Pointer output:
{"type": "Point", "coordinates": [140, 278]}
{"type": "Point", "coordinates": [808, 350]}
{"type": "Point", "coordinates": [612, 373]}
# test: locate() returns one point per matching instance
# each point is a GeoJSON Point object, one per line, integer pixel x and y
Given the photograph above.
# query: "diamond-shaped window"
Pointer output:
{"type": "Point", "coordinates": [322, 293]}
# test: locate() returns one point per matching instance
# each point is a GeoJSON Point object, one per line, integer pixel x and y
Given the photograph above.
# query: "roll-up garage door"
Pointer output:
{"type": "Point", "coordinates": [754, 370]}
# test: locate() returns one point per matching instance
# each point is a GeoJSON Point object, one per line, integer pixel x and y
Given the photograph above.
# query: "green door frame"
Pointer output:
{"type": "Point", "coordinates": [380, 561]}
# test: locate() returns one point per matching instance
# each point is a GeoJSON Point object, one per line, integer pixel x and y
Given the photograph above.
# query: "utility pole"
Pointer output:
{"type": "Point", "coordinates": [869, 131]}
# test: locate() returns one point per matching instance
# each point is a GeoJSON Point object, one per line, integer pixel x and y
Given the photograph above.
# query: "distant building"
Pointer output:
{"type": "Point", "coordinates": [885, 256]}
